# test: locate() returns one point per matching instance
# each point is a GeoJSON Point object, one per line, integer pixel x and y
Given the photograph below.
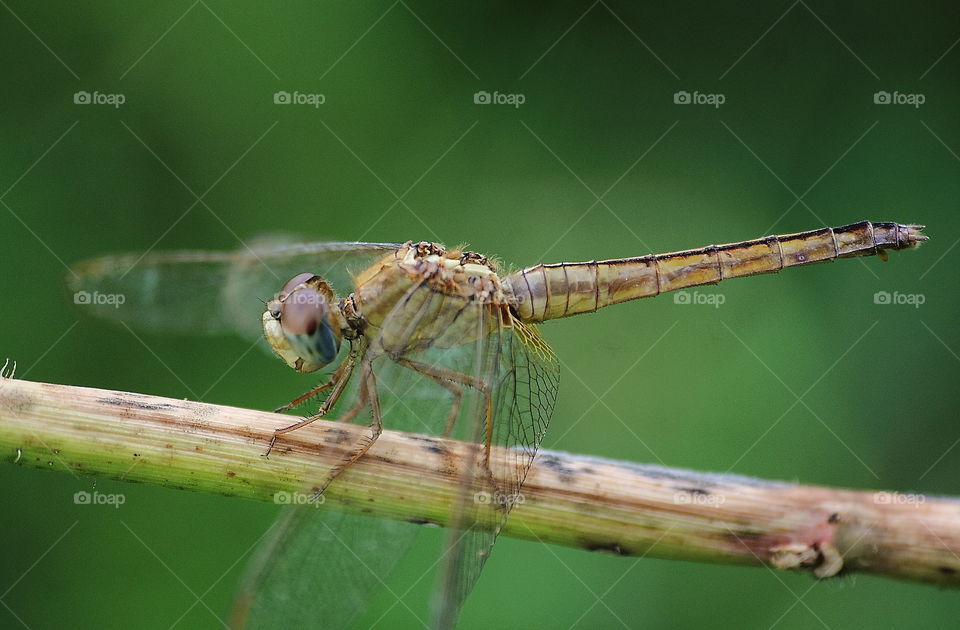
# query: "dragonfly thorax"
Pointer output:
{"type": "Point", "coordinates": [426, 295]}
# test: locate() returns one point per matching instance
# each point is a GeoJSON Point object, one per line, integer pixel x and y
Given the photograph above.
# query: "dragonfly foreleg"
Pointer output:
{"type": "Point", "coordinates": [337, 383]}
{"type": "Point", "coordinates": [367, 394]}
{"type": "Point", "coordinates": [335, 377]}
{"type": "Point", "coordinates": [304, 397]}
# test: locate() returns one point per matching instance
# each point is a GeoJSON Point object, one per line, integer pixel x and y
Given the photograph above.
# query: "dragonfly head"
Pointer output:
{"type": "Point", "coordinates": [302, 324]}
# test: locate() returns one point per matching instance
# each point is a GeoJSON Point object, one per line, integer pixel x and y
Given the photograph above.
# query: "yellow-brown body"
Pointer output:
{"type": "Point", "coordinates": [426, 295]}
{"type": "Point", "coordinates": [551, 291]}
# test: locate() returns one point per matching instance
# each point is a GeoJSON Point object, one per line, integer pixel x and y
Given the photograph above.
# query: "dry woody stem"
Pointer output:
{"type": "Point", "coordinates": [574, 500]}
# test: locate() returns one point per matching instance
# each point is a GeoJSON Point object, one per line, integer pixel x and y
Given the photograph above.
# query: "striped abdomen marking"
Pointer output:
{"type": "Point", "coordinates": [551, 291]}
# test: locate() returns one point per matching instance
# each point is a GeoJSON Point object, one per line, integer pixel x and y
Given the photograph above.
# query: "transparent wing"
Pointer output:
{"type": "Point", "coordinates": [198, 292]}
{"type": "Point", "coordinates": [524, 376]}
{"type": "Point", "coordinates": [318, 566]}
{"type": "Point", "coordinates": [489, 381]}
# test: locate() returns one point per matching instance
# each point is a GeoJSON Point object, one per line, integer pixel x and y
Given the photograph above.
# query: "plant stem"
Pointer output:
{"type": "Point", "coordinates": [572, 500]}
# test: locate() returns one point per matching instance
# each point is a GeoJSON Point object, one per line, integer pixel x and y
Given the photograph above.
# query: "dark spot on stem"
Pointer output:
{"type": "Point", "coordinates": [552, 462]}
{"type": "Point", "coordinates": [663, 473]}
{"type": "Point", "coordinates": [948, 570]}
{"type": "Point", "coordinates": [16, 402]}
{"type": "Point", "coordinates": [556, 464]}
{"type": "Point", "coordinates": [430, 445]}
{"type": "Point", "coordinates": [700, 492]}
{"type": "Point", "coordinates": [336, 436]}
{"type": "Point", "coordinates": [121, 402]}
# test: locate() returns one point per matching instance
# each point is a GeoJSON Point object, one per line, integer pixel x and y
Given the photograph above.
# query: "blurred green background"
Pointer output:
{"type": "Point", "coordinates": [599, 118]}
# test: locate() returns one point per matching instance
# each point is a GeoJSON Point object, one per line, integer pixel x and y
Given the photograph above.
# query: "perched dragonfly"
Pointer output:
{"type": "Point", "coordinates": [424, 339]}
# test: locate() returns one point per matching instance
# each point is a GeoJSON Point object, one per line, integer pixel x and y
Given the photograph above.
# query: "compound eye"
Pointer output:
{"type": "Point", "coordinates": [307, 328]}
{"type": "Point", "coordinates": [302, 312]}
{"type": "Point", "coordinates": [273, 307]}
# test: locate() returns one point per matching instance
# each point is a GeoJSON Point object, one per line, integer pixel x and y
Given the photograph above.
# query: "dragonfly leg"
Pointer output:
{"type": "Point", "coordinates": [338, 382]}
{"type": "Point", "coordinates": [453, 387]}
{"type": "Point", "coordinates": [302, 398]}
{"type": "Point", "coordinates": [332, 381]}
{"type": "Point", "coordinates": [453, 380]}
{"type": "Point", "coordinates": [368, 394]}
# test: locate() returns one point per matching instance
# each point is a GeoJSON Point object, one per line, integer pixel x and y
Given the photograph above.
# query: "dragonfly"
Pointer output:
{"type": "Point", "coordinates": [420, 338]}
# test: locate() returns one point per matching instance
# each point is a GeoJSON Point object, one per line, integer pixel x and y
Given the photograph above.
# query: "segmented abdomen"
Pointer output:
{"type": "Point", "coordinates": [551, 291]}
